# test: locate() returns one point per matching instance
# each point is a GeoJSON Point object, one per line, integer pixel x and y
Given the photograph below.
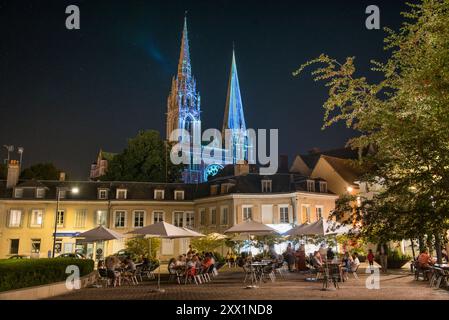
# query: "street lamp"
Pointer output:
{"type": "Point", "coordinates": [74, 190]}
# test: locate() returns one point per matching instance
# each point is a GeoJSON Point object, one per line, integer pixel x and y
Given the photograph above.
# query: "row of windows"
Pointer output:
{"type": "Point", "coordinates": [16, 218]}
{"type": "Point", "coordinates": [266, 186]}
{"type": "Point", "coordinates": [103, 194]}
{"type": "Point", "coordinates": [14, 246]}
{"type": "Point", "coordinates": [180, 218]}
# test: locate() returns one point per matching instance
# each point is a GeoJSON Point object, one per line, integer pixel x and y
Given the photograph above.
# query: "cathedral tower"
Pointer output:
{"type": "Point", "coordinates": [234, 118]}
{"type": "Point", "coordinates": [183, 105]}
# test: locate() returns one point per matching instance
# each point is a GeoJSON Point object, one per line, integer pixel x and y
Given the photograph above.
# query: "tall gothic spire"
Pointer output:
{"type": "Point", "coordinates": [234, 117]}
{"type": "Point", "coordinates": [184, 67]}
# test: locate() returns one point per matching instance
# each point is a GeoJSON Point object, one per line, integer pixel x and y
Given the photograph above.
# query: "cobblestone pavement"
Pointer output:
{"type": "Point", "coordinates": [228, 285]}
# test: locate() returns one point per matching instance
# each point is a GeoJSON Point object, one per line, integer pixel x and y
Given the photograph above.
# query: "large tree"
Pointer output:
{"type": "Point", "coordinates": [406, 117]}
{"type": "Point", "coordinates": [41, 171]}
{"type": "Point", "coordinates": [146, 158]}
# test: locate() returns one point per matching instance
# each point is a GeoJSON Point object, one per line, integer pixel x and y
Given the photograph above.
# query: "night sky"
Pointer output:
{"type": "Point", "coordinates": [66, 93]}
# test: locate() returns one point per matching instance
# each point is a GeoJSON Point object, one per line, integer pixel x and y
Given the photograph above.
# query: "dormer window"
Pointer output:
{"type": "Point", "coordinates": [102, 194]}
{"type": "Point", "coordinates": [266, 185]}
{"type": "Point", "coordinates": [18, 193]}
{"type": "Point", "coordinates": [311, 185]}
{"type": "Point", "coordinates": [159, 194]}
{"type": "Point", "coordinates": [179, 195]}
{"type": "Point", "coordinates": [323, 186]}
{"type": "Point", "coordinates": [225, 187]}
{"type": "Point", "coordinates": [40, 193]}
{"type": "Point", "coordinates": [121, 194]}
{"type": "Point", "coordinates": [62, 194]}
{"type": "Point", "coordinates": [214, 190]}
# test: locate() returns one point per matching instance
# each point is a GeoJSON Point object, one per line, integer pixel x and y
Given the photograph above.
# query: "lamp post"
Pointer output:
{"type": "Point", "coordinates": [20, 152]}
{"type": "Point", "coordinates": [74, 190]}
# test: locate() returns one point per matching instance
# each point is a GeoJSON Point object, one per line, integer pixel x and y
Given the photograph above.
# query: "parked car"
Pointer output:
{"type": "Point", "coordinates": [72, 255]}
{"type": "Point", "coordinates": [19, 256]}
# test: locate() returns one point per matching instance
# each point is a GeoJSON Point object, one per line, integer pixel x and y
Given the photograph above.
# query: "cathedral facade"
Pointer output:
{"type": "Point", "coordinates": [184, 113]}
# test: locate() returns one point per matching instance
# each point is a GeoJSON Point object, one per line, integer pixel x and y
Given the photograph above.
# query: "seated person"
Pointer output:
{"type": "Point", "coordinates": [172, 265]}
{"type": "Point", "coordinates": [181, 262]}
{"type": "Point", "coordinates": [317, 262]}
{"type": "Point", "coordinates": [424, 260]}
{"type": "Point", "coordinates": [129, 264]}
{"type": "Point", "coordinates": [355, 263]}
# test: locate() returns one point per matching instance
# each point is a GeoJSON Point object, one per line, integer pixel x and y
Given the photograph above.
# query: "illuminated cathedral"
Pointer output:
{"type": "Point", "coordinates": [184, 112]}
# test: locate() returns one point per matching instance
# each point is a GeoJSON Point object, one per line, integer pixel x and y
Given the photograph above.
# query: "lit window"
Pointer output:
{"type": "Point", "coordinates": [305, 208]}
{"type": "Point", "coordinates": [178, 219]}
{"type": "Point", "coordinates": [15, 218]}
{"type": "Point", "coordinates": [190, 219]}
{"type": "Point", "coordinates": [283, 214]}
{"type": "Point", "coordinates": [247, 213]}
{"type": "Point", "coordinates": [80, 218]}
{"type": "Point", "coordinates": [213, 216]}
{"type": "Point", "coordinates": [319, 212]}
{"type": "Point", "coordinates": [158, 216]}
{"type": "Point", "coordinates": [224, 216]}
{"type": "Point", "coordinates": [60, 218]}
{"type": "Point", "coordinates": [159, 194]}
{"type": "Point", "coordinates": [37, 217]}
{"type": "Point", "coordinates": [213, 190]}
{"type": "Point", "coordinates": [40, 193]}
{"type": "Point", "coordinates": [120, 219]}
{"type": "Point", "coordinates": [266, 185]}
{"type": "Point", "coordinates": [101, 217]}
{"type": "Point", "coordinates": [203, 217]}
{"type": "Point", "coordinates": [102, 194]}
{"type": "Point", "coordinates": [62, 194]}
{"type": "Point", "coordinates": [139, 218]}
{"type": "Point", "coordinates": [35, 245]}
{"type": "Point", "coordinates": [121, 194]}
{"type": "Point", "coordinates": [18, 193]}
{"type": "Point", "coordinates": [310, 185]}
{"type": "Point", "coordinates": [179, 195]}
{"type": "Point", "coordinates": [323, 186]}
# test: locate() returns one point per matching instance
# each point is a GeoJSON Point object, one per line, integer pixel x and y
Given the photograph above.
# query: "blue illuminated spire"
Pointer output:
{"type": "Point", "coordinates": [184, 67]}
{"type": "Point", "coordinates": [234, 117]}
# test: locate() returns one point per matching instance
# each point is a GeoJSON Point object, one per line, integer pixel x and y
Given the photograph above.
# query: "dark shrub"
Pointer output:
{"type": "Point", "coordinates": [16, 274]}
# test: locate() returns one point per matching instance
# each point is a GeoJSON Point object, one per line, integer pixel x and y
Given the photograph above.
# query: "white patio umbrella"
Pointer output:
{"type": "Point", "coordinates": [250, 227]}
{"type": "Point", "coordinates": [193, 232]}
{"type": "Point", "coordinates": [99, 234]}
{"type": "Point", "coordinates": [163, 230]}
{"type": "Point", "coordinates": [319, 228]}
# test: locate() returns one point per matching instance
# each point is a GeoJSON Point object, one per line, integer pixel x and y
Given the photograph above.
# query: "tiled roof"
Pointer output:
{"type": "Point", "coordinates": [346, 168]}
{"type": "Point", "coordinates": [88, 190]}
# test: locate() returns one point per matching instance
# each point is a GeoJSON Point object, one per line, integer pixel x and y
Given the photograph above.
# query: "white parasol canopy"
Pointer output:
{"type": "Point", "coordinates": [100, 233]}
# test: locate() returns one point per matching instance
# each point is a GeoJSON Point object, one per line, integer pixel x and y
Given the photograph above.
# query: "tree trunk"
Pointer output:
{"type": "Point", "coordinates": [421, 243]}
{"type": "Point", "coordinates": [438, 248]}
{"type": "Point", "coordinates": [413, 249]}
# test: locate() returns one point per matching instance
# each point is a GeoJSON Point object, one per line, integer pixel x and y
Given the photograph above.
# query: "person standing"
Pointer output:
{"type": "Point", "coordinates": [370, 258]}
{"type": "Point", "coordinates": [382, 251]}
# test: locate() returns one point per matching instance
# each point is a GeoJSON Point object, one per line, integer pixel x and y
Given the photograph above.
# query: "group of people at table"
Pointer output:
{"type": "Point", "coordinates": [191, 263]}
{"type": "Point", "coordinates": [318, 260]}
{"type": "Point", "coordinates": [119, 270]}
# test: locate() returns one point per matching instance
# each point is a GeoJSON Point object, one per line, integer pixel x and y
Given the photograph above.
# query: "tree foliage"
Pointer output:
{"type": "Point", "coordinates": [209, 243]}
{"type": "Point", "coordinates": [406, 117]}
{"type": "Point", "coordinates": [41, 171]}
{"type": "Point", "coordinates": [141, 247]}
{"type": "Point", "coordinates": [146, 158]}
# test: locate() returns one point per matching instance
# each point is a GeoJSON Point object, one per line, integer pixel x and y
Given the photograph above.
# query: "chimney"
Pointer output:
{"type": "Point", "coordinates": [13, 174]}
{"type": "Point", "coordinates": [62, 176]}
{"type": "Point", "coordinates": [283, 163]}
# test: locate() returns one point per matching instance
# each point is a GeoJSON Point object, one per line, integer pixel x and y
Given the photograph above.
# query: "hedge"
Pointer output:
{"type": "Point", "coordinates": [16, 274]}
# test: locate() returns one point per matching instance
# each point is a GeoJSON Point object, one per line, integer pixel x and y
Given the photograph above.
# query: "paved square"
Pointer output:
{"type": "Point", "coordinates": [228, 285]}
